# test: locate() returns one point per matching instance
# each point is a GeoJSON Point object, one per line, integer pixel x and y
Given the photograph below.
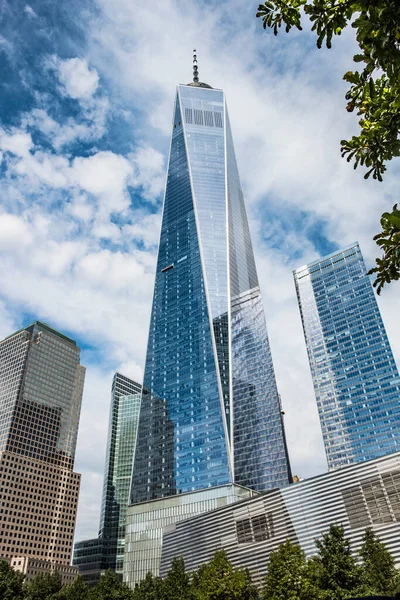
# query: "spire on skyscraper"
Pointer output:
{"type": "Point", "coordinates": [196, 82]}
{"type": "Point", "coordinates": [195, 67]}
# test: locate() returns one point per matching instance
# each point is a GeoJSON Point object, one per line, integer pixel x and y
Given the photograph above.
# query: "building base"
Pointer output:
{"type": "Point", "coordinates": [32, 566]}
{"type": "Point", "coordinates": [146, 522]}
{"type": "Point", "coordinates": [363, 495]}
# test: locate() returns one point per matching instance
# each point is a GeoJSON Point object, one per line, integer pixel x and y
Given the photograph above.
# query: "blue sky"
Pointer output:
{"type": "Point", "coordinates": [87, 91]}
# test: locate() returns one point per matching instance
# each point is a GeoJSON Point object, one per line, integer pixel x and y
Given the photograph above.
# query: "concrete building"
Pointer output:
{"type": "Point", "coordinates": [32, 566]}
{"type": "Point", "coordinates": [41, 386]}
{"type": "Point", "coordinates": [358, 496]}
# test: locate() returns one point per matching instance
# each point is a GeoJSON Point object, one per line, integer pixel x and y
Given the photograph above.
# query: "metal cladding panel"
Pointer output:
{"type": "Point", "coordinates": [250, 530]}
{"type": "Point", "coordinates": [356, 381]}
{"type": "Point", "coordinates": [147, 523]}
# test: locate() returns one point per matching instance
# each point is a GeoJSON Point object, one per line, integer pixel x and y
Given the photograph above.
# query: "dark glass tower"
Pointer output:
{"type": "Point", "coordinates": [95, 556]}
{"type": "Point", "coordinates": [356, 381]}
{"type": "Point", "coordinates": [122, 427]}
{"type": "Point", "coordinates": [211, 412]}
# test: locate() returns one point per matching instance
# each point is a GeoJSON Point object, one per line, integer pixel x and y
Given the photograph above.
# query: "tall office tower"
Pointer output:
{"type": "Point", "coordinates": [122, 427]}
{"type": "Point", "coordinates": [95, 556]}
{"type": "Point", "coordinates": [210, 415]}
{"type": "Point", "coordinates": [355, 377]}
{"type": "Point", "coordinates": [41, 386]}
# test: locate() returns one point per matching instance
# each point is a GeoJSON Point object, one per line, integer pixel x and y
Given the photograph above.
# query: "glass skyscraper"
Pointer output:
{"type": "Point", "coordinates": [210, 412]}
{"type": "Point", "coordinates": [122, 427]}
{"type": "Point", "coordinates": [95, 556]}
{"type": "Point", "coordinates": [354, 373]}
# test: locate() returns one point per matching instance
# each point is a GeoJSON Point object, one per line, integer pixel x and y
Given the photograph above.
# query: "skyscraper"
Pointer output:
{"type": "Point", "coordinates": [211, 415]}
{"type": "Point", "coordinates": [95, 556]}
{"type": "Point", "coordinates": [41, 386]}
{"type": "Point", "coordinates": [354, 373]}
{"type": "Point", "coordinates": [122, 427]}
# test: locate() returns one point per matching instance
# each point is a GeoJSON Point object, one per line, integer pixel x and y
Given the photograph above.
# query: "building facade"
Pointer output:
{"type": "Point", "coordinates": [210, 415]}
{"type": "Point", "coordinates": [147, 521]}
{"type": "Point", "coordinates": [358, 496]}
{"type": "Point", "coordinates": [95, 556]}
{"type": "Point", "coordinates": [32, 566]}
{"type": "Point", "coordinates": [41, 386]}
{"type": "Point", "coordinates": [122, 428]}
{"type": "Point", "coordinates": [356, 381]}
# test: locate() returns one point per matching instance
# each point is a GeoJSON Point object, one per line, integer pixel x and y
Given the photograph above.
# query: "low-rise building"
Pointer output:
{"type": "Point", "coordinates": [358, 496]}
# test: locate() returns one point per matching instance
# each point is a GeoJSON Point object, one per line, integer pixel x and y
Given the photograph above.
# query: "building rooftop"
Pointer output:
{"type": "Point", "coordinates": [45, 327]}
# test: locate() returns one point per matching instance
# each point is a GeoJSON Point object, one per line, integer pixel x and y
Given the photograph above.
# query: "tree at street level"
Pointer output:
{"type": "Point", "coordinates": [288, 575]}
{"type": "Point", "coordinates": [380, 573]}
{"type": "Point", "coordinates": [374, 89]}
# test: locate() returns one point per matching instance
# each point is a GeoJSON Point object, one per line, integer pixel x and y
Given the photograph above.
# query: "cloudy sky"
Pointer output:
{"type": "Point", "coordinates": [87, 89]}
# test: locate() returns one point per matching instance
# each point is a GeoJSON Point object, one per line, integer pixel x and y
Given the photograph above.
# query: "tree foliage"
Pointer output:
{"type": "Point", "coordinates": [177, 584]}
{"type": "Point", "coordinates": [288, 575]}
{"type": "Point", "coordinates": [218, 580]}
{"type": "Point", "coordinates": [380, 573]}
{"type": "Point", "coordinates": [11, 583]}
{"type": "Point", "coordinates": [333, 573]}
{"type": "Point", "coordinates": [150, 588]}
{"type": "Point", "coordinates": [44, 586]}
{"type": "Point", "coordinates": [374, 91]}
{"type": "Point", "coordinates": [110, 588]}
{"type": "Point", "coordinates": [388, 267]}
{"type": "Point", "coordinates": [78, 590]}
{"type": "Point", "coordinates": [336, 572]}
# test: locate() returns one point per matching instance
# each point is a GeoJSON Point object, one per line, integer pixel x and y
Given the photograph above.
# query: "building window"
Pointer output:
{"type": "Point", "coordinates": [243, 531]}
{"type": "Point", "coordinates": [257, 529]}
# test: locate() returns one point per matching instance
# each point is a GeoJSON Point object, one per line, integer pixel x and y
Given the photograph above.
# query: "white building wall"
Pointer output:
{"type": "Point", "coordinates": [147, 521]}
{"type": "Point", "coordinates": [359, 496]}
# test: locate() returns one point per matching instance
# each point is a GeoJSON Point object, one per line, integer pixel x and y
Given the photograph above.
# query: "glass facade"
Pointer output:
{"type": "Point", "coordinates": [147, 523]}
{"type": "Point", "coordinates": [210, 412]}
{"type": "Point", "coordinates": [354, 373]}
{"type": "Point", "coordinates": [124, 414]}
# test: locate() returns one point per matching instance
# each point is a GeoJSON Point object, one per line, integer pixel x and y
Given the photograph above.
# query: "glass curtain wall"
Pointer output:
{"type": "Point", "coordinates": [210, 414]}
{"type": "Point", "coordinates": [356, 381]}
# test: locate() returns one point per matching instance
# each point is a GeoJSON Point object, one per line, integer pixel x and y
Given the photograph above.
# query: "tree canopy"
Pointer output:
{"type": "Point", "coordinates": [374, 91]}
{"type": "Point", "coordinates": [333, 573]}
{"type": "Point", "coordinates": [380, 573]}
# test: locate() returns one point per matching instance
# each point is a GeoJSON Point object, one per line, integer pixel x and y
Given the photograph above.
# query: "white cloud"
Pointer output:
{"type": "Point", "coordinates": [14, 233]}
{"type": "Point", "coordinates": [79, 81]}
{"type": "Point", "coordinates": [149, 171]}
{"type": "Point", "coordinates": [17, 142]}
{"type": "Point", "coordinates": [104, 175]}
{"type": "Point", "coordinates": [29, 11]}
{"type": "Point", "coordinates": [44, 168]}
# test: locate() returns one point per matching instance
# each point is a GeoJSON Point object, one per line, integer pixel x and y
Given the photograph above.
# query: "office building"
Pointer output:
{"type": "Point", "coordinates": [210, 413]}
{"type": "Point", "coordinates": [122, 428]}
{"type": "Point", "coordinates": [357, 496]}
{"type": "Point", "coordinates": [356, 381]}
{"type": "Point", "coordinates": [95, 556]}
{"type": "Point", "coordinates": [41, 386]}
